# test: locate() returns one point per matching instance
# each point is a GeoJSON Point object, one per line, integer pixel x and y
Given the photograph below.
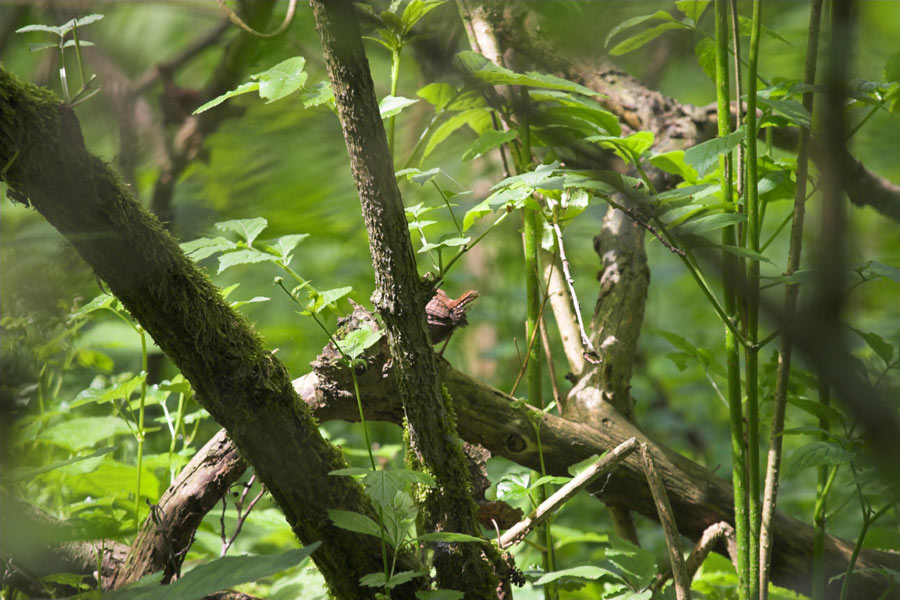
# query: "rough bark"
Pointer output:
{"type": "Point", "coordinates": [162, 545]}
{"type": "Point", "coordinates": [400, 299]}
{"type": "Point", "coordinates": [505, 426]}
{"type": "Point", "coordinates": [243, 386]}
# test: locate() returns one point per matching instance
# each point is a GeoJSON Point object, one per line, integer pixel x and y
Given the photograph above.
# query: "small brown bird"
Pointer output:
{"type": "Point", "coordinates": [445, 314]}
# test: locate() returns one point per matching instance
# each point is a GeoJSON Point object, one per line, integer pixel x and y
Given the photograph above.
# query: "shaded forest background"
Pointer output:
{"type": "Point", "coordinates": [289, 165]}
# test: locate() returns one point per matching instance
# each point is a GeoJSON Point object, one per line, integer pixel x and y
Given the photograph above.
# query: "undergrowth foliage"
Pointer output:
{"type": "Point", "coordinates": [98, 443]}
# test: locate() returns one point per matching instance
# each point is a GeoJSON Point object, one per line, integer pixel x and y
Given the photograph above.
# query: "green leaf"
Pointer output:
{"type": "Point", "coordinates": [78, 433]}
{"type": "Point", "coordinates": [673, 162]}
{"type": "Point", "coordinates": [437, 94]}
{"type": "Point", "coordinates": [486, 71]}
{"type": "Point", "coordinates": [466, 117]}
{"type": "Point", "coordinates": [822, 412]}
{"type": "Point", "coordinates": [449, 242]}
{"type": "Point", "coordinates": [219, 574]}
{"type": "Point", "coordinates": [659, 15]}
{"type": "Point", "coordinates": [818, 454]}
{"type": "Point", "coordinates": [637, 143]}
{"type": "Point", "coordinates": [317, 94]}
{"type": "Point", "coordinates": [710, 223]}
{"type": "Point", "coordinates": [119, 391]}
{"type": "Point", "coordinates": [446, 536]}
{"type": "Point", "coordinates": [391, 105]}
{"type": "Point", "coordinates": [882, 348]}
{"type": "Point", "coordinates": [692, 9]}
{"type": "Point", "coordinates": [23, 473]}
{"type": "Point", "coordinates": [42, 46]}
{"type": "Point", "coordinates": [402, 577]}
{"type": "Point", "coordinates": [247, 229]}
{"type": "Point", "coordinates": [636, 41]}
{"type": "Point", "coordinates": [415, 10]}
{"type": "Point", "coordinates": [744, 253]}
{"type": "Point", "coordinates": [99, 302]}
{"type": "Point", "coordinates": [71, 44]}
{"type": "Point", "coordinates": [85, 20]}
{"type": "Point", "coordinates": [244, 88]}
{"type": "Point", "coordinates": [202, 248]}
{"type": "Point", "coordinates": [581, 107]}
{"type": "Point", "coordinates": [512, 197]}
{"type": "Point", "coordinates": [637, 564]}
{"type": "Point", "coordinates": [39, 27]}
{"type": "Point", "coordinates": [584, 572]}
{"type": "Point", "coordinates": [382, 486]}
{"type": "Point", "coordinates": [319, 300]}
{"type": "Point", "coordinates": [243, 257]}
{"type": "Point", "coordinates": [283, 79]}
{"type": "Point", "coordinates": [892, 67]}
{"type": "Point", "coordinates": [705, 156]}
{"type": "Point", "coordinates": [284, 245]}
{"type": "Point", "coordinates": [353, 521]}
{"type": "Point", "coordinates": [487, 141]}
{"type": "Point", "coordinates": [420, 177]}
{"type": "Point", "coordinates": [357, 341]}
{"type": "Point", "coordinates": [705, 51]}
{"type": "Point", "coordinates": [795, 112]}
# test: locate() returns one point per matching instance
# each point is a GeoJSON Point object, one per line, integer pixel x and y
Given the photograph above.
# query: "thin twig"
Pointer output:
{"type": "Point", "coordinates": [234, 18]}
{"type": "Point", "coordinates": [606, 463]}
{"type": "Point", "coordinates": [641, 223]}
{"type": "Point", "coordinates": [545, 340]}
{"type": "Point", "coordinates": [667, 520]}
{"type": "Point", "coordinates": [241, 514]}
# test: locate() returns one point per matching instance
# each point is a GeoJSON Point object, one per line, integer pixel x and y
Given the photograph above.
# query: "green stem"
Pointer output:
{"type": "Point", "coordinates": [752, 352]}
{"type": "Point", "coordinates": [395, 75]}
{"type": "Point", "coordinates": [140, 431]}
{"type": "Point", "coordinates": [825, 478]}
{"type": "Point", "coordinates": [730, 277]}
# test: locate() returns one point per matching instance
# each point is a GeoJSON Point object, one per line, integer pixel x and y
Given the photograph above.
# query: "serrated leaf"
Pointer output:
{"type": "Point", "coordinates": [24, 473]}
{"type": "Point", "coordinates": [391, 105]}
{"type": "Point", "coordinates": [705, 51]}
{"type": "Point", "coordinates": [659, 15]}
{"type": "Point", "coordinates": [42, 46]}
{"type": "Point", "coordinates": [286, 244]}
{"type": "Point", "coordinates": [83, 432]}
{"type": "Point", "coordinates": [82, 43]}
{"type": "Point", "coordinates": [818, 454]}
{"type": "Point", "coordinates": [39, 27]}
{"type": "Point", "coordinates": [317, 94]}
{"type": "Point", "coordinates": [692, 9]}
{"type": "Point", "coordinates": [319, 300]}
{"type": "Point", "coordinates": [218, 574]}
{"type": "Point", "coordinates": [353, 521]}
{"type": "Point", "coordinates": [122, 390]}
{"type": "Point", "coordinates": [705, 156]}
{"type": "Point", "coordinates": [710, 223]}
{"type": "Point", "coordinates": [242, 257]}
{"type": "Point", "coordinates": [588, 572]}
{"type": "Point", "coordinates": [822, 412]}
{"type": "Point", "coordinates": [443, 131]}
{"type": "Point", "coordinates": [244, 88]}
{"type": "Point", "coordinates": [419, 176]}
{"type": "Point", "coordinates": [638, 40]}
{"type": "Point", "coordinates": [673, 162]}
{"type": "Point", "coordinates": [637, 143]}
{"type": "Point", "coordinates": [202, 248]}
{"type": "Point", "coordinates": [247, 229]}
{"type": "Point", "coordinates": [877, 343]}
{"type": "Point", "coordinates": [487, 141]}
{"type": "Point", "coordinates": [415, 10]}
{"type": "Point", "coordinates": [486, 71]}
{"type": "Point", "coordinates": [99, 302]}
{"type": "Point", "coordinates": [382, 486]}
{"type": "Point", "coordinates": [795, 112]}
{"type": "Point", "coordinates": [402, 577]}
{"type": "Point", "coordinates": [892, 67]}
{"type": "Point", "coordinates": [437, 94]}
{"type": "Point", "coordinates": [359, 340]}
{"type": "Point", "coordinates": [281, 80]}
{"type": "Point", "coordinates": [488, 205]}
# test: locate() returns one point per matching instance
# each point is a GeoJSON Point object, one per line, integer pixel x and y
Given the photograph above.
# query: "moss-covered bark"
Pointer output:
{"type": "Point", "coordinates": [400, 298]}
{"type": "Point", "coordinates": [237, 380]}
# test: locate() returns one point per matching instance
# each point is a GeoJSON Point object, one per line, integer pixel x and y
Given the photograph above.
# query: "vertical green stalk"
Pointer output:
{"type": "Point", "coordinates": [395, 76]}
{"type": "Point", "coordinates": [140, 431]}
{"type": "Point", "coordinates": [773, 466]}
{"type": "Point", "coordinates": [729, 279]}
{"type": "Point", "coordinates": [823, 485]}
{"type": "Point", "coordinates": [752, 352]}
